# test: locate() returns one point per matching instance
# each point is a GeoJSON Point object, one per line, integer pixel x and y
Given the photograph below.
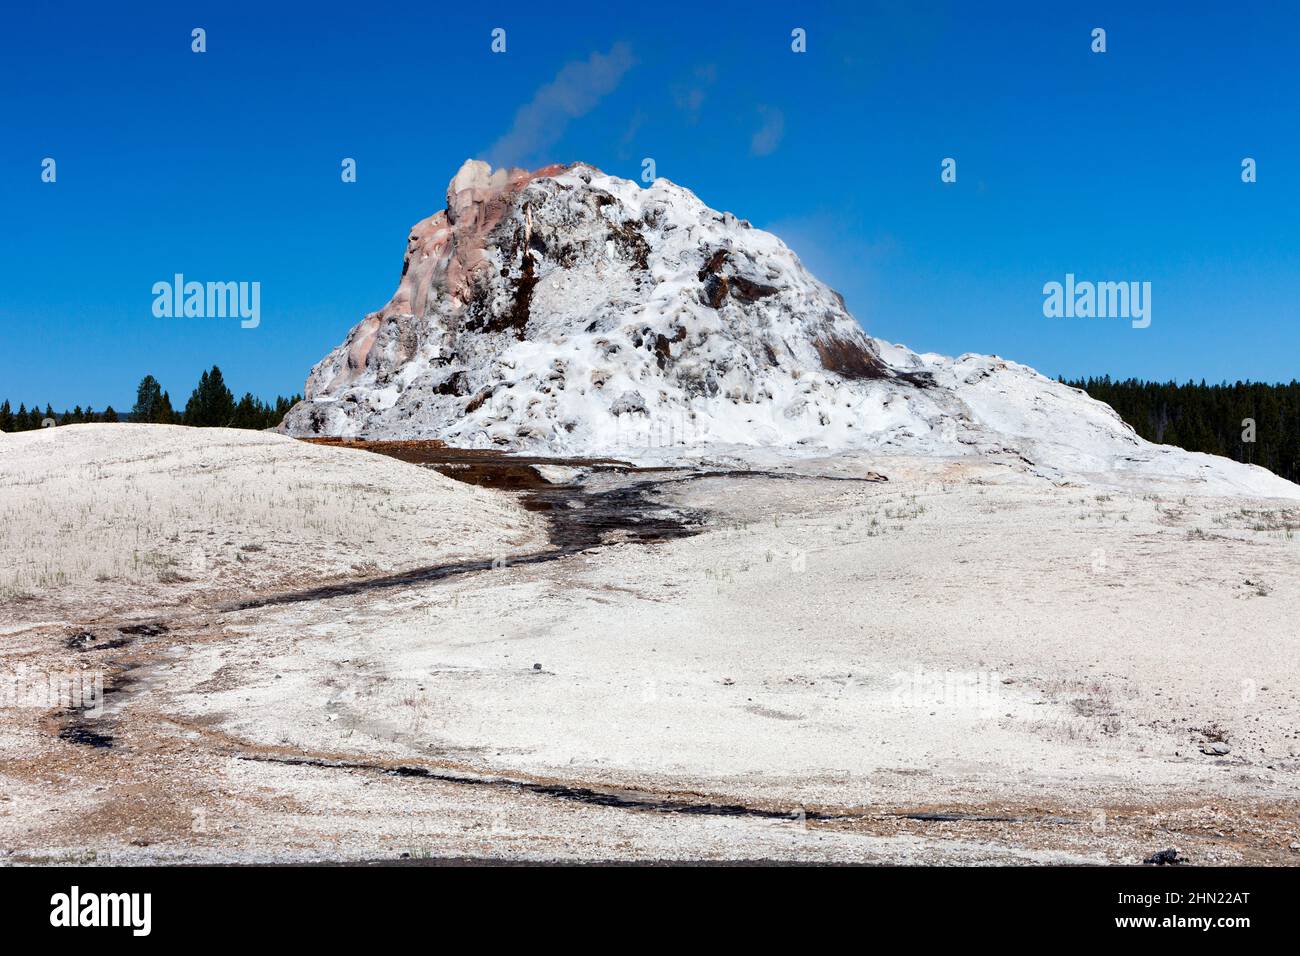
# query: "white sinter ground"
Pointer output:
{"type": "Point", "coordinates": [156, 514]}
{"type": "Point", "coordinates": [1103, 673]}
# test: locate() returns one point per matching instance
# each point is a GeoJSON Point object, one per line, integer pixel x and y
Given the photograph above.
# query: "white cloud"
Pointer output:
{"type": "Point", "coordinates": [576, 90]}
{"type": "Point", "coordinates": [690, 95]}
{"type": "Point", "coordinates": [768, 136]}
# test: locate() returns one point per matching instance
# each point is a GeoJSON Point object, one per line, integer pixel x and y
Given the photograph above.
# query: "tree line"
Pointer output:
{"type": "Point", "coordinates": [211, 405]}
{"type": "Point", "coordinates": [1246, 421]}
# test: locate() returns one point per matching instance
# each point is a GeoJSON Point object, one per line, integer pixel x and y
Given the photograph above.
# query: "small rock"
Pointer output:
{"type": "Point", "coordinates": [537, 667]}
{"type": "Point", "coordinates": [1215, 749]}
{"type": "Point", "coordinates": [727, 682]}
{"type": "Point", "coordinates": [1168, 857]}
{"type": "Point", "coordinates": [629, 403]}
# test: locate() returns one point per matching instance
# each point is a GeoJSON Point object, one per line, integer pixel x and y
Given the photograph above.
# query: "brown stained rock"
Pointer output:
{"type": "Point", "coordinates": [663, 353]}
{"type": "Point", "coordinates": [457, 384]}
{"type": "Point", "coordinates": [850, 359]}
{"type": "Point", "coordinates": [713, 265]}
{"type": "Point", "coordinates": [748, 291]}
{"type": "Point", "coordinates": [475, 403]}
{"type": "Point", "coordinates": [715, 291]}
{"type": "Point", "coordinates": [517, 317]}
{"type": "Point", "coordinates": [632, 245]}
{"type": "Point", "coordinates": [717, 286]}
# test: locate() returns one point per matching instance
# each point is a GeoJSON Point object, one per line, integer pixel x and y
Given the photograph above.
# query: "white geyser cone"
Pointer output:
{"type": "Point", "coordinates": [568, 312]}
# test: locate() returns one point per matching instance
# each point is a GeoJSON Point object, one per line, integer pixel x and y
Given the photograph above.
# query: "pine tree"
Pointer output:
{"type": "Point", "coordinates": [109, 415]}
{"type": "Point", "coordinates": [249, 413]}
{"type": "Point", "coordinates": [6, 417]}
{"type": "Point", "coordinates": [211, 405]}
{"type": "Point", "coordinates": [1209, 418]}
{"type": "Point", "coordinates": [148, 399]}
{"type": "Point", "coordinates": [194, 413]}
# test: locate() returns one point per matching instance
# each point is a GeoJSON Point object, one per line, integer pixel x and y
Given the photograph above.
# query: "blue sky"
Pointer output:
{"type": "Point", "coordinates": [225, 166]}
